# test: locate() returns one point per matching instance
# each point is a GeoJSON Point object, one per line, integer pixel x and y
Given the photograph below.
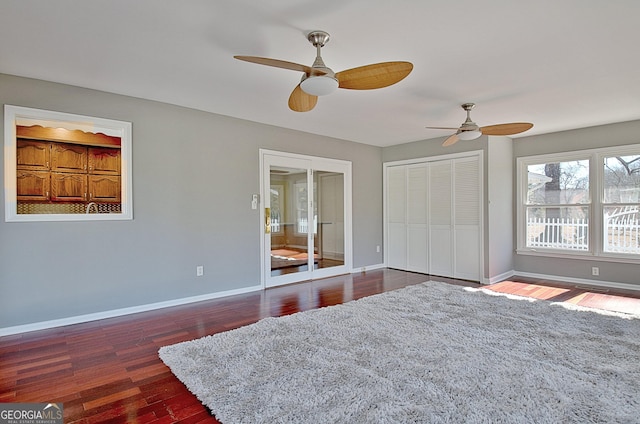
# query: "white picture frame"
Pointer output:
{"type": "Point", "coordinates": [115, 131]}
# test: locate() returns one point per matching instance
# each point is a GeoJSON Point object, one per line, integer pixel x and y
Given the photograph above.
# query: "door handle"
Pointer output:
{"type": "Point", "coordinates": [267, 220]}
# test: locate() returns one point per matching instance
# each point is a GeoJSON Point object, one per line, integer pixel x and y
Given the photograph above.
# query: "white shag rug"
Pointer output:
{"type": "Point", "coordinates": [429, 353]}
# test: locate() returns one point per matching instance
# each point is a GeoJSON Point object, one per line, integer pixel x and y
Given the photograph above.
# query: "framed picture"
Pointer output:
{"type": "Point", "coordinates": [65, 167]}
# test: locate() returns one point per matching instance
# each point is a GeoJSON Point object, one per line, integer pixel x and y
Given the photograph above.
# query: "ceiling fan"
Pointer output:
{"type": "Point", "coordinates": [469, 130]}
{"type": "Point", "coordinates": [319, 80]}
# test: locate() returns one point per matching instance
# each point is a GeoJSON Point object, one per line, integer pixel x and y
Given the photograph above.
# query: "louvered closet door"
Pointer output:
{"type": "Point", "coordinates": [417, 230]}
{"type": "Point", "coordinates": [396, 252]}
{"type": "Point", "coordinates": [466, 219]}
{"type": "Point", "coordinates": [434, 217]}
{"type": "Point", "coordinates": [440, 218]}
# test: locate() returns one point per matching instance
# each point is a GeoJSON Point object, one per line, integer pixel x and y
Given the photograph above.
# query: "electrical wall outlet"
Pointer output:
{"type": "Point", "coordinates": [199, 271]}
{"type": "Point", "coordinates": [595, 270]}
{"type": "Point", "coordinates": [378, 248]}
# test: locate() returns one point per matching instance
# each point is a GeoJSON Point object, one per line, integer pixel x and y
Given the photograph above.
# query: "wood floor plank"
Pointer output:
{"type": "Point", "coordinates": [111, 398]}
{"type": "Point", "coordinates": [8, 397]}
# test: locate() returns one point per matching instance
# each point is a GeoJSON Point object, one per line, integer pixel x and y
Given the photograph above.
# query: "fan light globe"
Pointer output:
{"type": "Point", "coordinates": [319, 85]}
{"type": "Point", "coordinates": [469, 135]}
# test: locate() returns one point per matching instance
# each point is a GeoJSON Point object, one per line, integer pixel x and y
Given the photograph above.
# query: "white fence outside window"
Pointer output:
{"type": "Point", "coordinates": [621, 229]}
{"type": "Point", "coordinates": [558, 233]}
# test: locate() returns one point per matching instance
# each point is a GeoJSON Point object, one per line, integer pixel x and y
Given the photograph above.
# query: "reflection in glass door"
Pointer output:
{"type": "Point", "coordinates": [289, 220]}
{"type": "Point", "coordinates": [306, 219]}
{"type": "Point", "coordinates": [329, 225]}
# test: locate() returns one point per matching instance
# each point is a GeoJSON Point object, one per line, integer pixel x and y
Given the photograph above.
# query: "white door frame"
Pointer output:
{"type": "Point", "coordinates": [294, 160]}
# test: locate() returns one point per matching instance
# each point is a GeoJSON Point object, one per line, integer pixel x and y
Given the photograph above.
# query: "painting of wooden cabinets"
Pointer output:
{"type": "Point", "coordinates": [82, 169]}
{"type": "Point", "coordinates": [66, 167]}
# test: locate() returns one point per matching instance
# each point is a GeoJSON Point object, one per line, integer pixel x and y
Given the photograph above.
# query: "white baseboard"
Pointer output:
{"type": "Point", "coordinates": [577, 281]}
{"type": "Point", "coordinates": [367, 268]}
{"type": "Point", "coordinates": [580, 281]}
{"type": "Point", "coordinates": [499, 277]}
{"type": "Point", "coordinates": [7, 331]}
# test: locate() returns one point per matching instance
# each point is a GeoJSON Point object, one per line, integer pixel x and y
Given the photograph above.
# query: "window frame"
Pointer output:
{"type": "Point", "coordinates": [595, 206]}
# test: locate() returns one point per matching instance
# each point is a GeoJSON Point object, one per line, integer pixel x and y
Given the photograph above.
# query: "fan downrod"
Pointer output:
{"type": "Point", "coordinates": [468, 124]}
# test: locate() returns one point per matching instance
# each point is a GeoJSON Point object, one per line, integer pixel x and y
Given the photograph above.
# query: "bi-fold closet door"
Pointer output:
{"type": "Point", "coordinates": [433, 217]}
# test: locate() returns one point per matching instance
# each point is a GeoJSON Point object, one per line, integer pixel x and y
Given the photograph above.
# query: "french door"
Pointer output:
{"type": "Point", "coordinates": [305, 218]}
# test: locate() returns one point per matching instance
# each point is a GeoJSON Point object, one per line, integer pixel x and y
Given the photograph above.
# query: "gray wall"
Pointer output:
{"type": "Point", "coordinates": [581, 139]}
{"type": "Point", "coordinates": [499, 234]}
{"type": "Point", "coordinates": [193, 177]}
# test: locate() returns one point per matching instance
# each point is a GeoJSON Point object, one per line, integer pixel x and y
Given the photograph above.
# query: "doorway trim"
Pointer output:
{"type": "Point", "coordinates": [320, 164]}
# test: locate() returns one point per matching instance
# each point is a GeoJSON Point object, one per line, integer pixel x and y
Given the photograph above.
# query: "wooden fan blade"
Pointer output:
{"type": "Point", "coordinates": [299, 101]}
{"type": "Point", "coordinates": [451, 140]}
{"type": "Point", "coordinates": [506, 129]}
{"type": "Point", "coordinates": [442, 128]}
{"type": "Point", "coordinates": [378, 75]}
{"type": "Point", "coordinates": [281, 64]}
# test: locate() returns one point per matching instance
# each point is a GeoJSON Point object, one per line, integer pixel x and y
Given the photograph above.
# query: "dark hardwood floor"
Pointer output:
{"type": "Point", "coordinates": [109, 370]}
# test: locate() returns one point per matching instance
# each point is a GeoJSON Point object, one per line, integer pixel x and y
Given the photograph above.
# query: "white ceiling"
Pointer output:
{"type": "Point", "coordinates": [560, 64]}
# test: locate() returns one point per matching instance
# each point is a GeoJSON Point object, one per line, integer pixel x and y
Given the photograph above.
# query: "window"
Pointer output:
{"type": "Point", "coordinates": [621, 204]}
{"type": "Point", "coordinates": [580, 203]}
{"type": "Point", "coordinates": [557, 206]}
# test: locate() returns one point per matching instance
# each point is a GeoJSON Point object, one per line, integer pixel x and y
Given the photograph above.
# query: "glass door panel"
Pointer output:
{"type": "Point", "coordinates": [306, 218]}
{"type": "Point", "coordinates": [289, 221]}
{"type": "Point", "coordinates": [330, 226]}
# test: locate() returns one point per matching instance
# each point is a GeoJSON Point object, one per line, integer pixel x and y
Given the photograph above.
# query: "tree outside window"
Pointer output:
{"type": "Point", "coordinates": [558, 198]}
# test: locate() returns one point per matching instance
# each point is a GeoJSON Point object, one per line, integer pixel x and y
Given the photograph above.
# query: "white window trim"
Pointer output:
{"type": "Point", "coordinates": [596, 181]}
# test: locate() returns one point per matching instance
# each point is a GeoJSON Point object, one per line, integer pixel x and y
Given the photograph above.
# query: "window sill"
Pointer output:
{"type": "Point", "coordinates": [584, 256]}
